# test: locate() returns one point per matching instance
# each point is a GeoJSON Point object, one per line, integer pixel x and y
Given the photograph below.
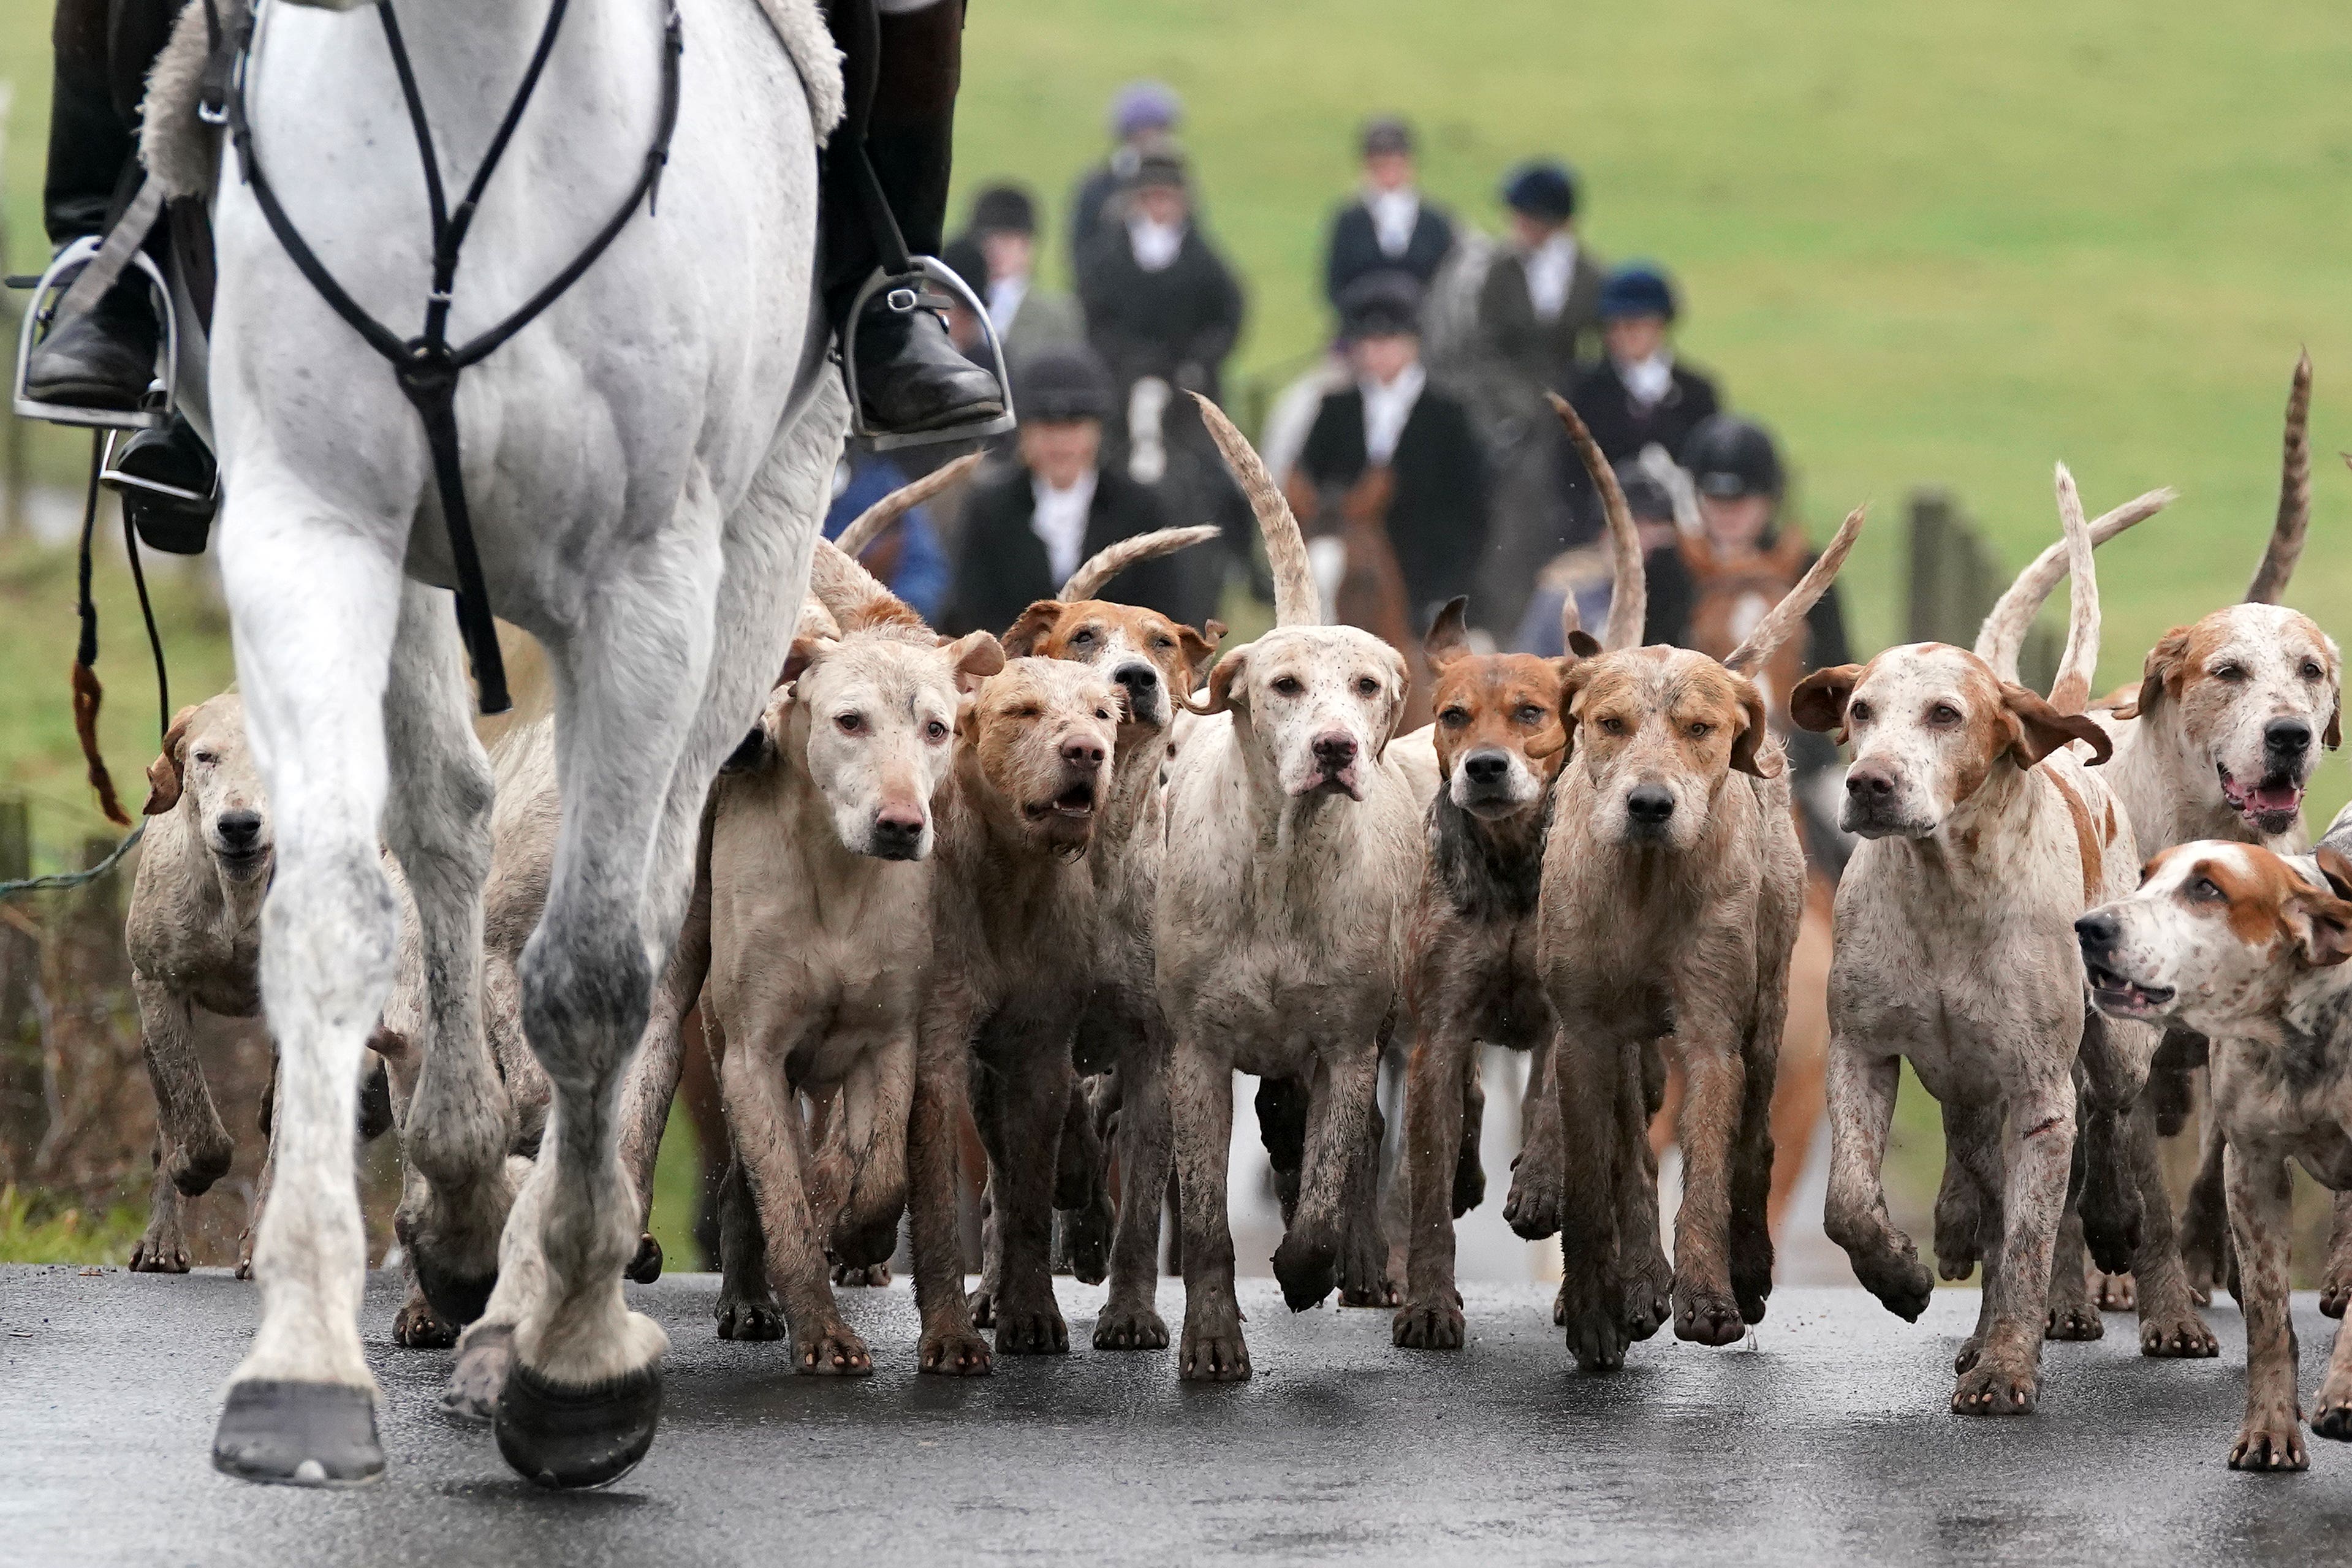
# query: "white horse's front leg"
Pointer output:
{"type": "Point", "coordinates": [315, 603]}
{"type": "Point", "coordinates": [460, 1122]}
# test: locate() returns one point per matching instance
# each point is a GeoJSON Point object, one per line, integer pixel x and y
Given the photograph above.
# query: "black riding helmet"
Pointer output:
{"type": "Point", "coordinates": [1729, 456]}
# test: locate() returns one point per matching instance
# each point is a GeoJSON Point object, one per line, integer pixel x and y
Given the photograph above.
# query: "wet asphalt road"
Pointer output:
{"type": "Point", "coordinates": [1827, 1441]}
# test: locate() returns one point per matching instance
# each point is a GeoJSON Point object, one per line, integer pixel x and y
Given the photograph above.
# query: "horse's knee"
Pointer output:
{"type": "Point", "coordinates": [587, 991]}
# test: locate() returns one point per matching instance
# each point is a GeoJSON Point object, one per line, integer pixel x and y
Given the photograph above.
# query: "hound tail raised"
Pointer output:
{"type": "Point", "coordinates": [1780, 622]}
{"type": "Point", "coordinates": [1629, 599]}
{"type": "Point", "coordinates": [2295, 494]}
{"type": "Point", "coordinates": [1296, 600]}
{"type": "Point", "coordinates": [852, 596]}
{"type": "Point", "coordinates": [869, 523]}
{"type": "Point", "coordinates": [2071, 691]}
{"type": "Point", "coordinates": [2002, 636]}
{"type": "Point", "coordinates": [1098, 569]}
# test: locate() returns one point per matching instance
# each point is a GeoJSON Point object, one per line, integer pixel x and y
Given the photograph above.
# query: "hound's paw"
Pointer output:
{"type": "Point", "coordinates": [1706, 1317]}
{"type": "Point", "coordinates": [835, 1352]}
{"type": "Point", "coordinates": [1428, 1327]}
{"type": "Point", "coordinates": [1212, 1350]}
{"type": "Point", "coordinates": [646, 1266]}
{"type": "Point", "coordinates": [195, 1169]}
{"type": "Point", "coordinates": [2074, 1321]}
{"type": "Point", "coordinates": [1966, 1357]}
{"type": "Point", "coordinates": [163, 1255]}
{"type": "Point", "coordinates": [2204, 1251]}
{"type": "Point", "coordinates": [871, 1276]}
{"type": "Point", "coordinates": [1131, 1328]}
{"type": "Point", "coordinates": [1647, 1299]}
{"type": "Point", "coordinates": [1378, 1291]}
{"type": "Point", "coordinates": [1997, 1386]}
{"type": "Point", "coordinates": [1559, 1308]}
{"type": "Point", "coordinates": [748, 1318]}
{"type": "Point", "coordinates": [1595, 1338]}
{"type": "Point", "coordinates": [1306, 1271]}
{"type": "Point", "coordinates": [419, 1327]}
{"type": "Point", "coordinates": [1082, 1237]}
{"type": "Point", "coordinates": [2335, 1290]}
{"type": "Point", "coordinates": [981, 1305]}
{"type": "Point", "coordinates": [471, 1394]}
{"type": "Point", "coordinates": [2333, 1420]}
{"type": "Point", "coordinates": [2183, 1335]}
{"type": "Point", "coordinates": [1897, 1279]}
{"type": "Point", "coordinates": [1532, 1208]}
{"type": "Point", "coordinates": [2114, 1292]}
{"type": "Point", "coordinates": [954, 1354]}
{"type": "Point", "coordinates": [1035, 1330]}
{"type": "Point", "coordinates": [1469, 1183]}
{"type": "Point", "coordinates": [2270, 1443]}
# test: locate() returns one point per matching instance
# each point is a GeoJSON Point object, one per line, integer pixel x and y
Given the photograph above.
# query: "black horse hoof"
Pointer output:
{"type": "Point", "coordinates": [567, 1437]}
{"type": "Point", "coordinates": [298, 1434]}
{"type": "Point", "coordinates": [646, 1266]}
{"type": "Point", "coordinates": [458, 1298]}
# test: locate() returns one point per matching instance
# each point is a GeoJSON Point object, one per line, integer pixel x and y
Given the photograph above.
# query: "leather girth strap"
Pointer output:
{"type": "Point", "coordinates": [427, 366]}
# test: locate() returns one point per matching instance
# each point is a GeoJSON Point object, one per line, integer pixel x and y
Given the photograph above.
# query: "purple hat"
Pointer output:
{"type": "Point", "coordinates": [1142, 106]}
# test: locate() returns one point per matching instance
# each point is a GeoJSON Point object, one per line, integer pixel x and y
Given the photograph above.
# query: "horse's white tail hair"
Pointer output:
{"type": "Point", "coordinates": [1098, 569]}
{"type": "Point", "coordinates": [1296, 600]}
{"type": "Point", "coordinates": [1629, 599]}
{"type": "Point", "coordinates": [2071, 691]}
{"type": "Point", "coordinates": [1780, 622]}
{"type": "Point", "coordinates": [2295, 494]}
{"type": "Point", "coordinates": [2002, 637]}
{"type": "Point", "coordinates": [870, 523]}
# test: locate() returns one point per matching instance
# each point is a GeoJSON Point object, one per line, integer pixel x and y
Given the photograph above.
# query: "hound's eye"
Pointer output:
{"type": "Point", "coordinates": [1529, 714]}
{"type": "Point", "coordinates": [2203, 891]}
{"type": "Point", "coordinates": [1857, 713]}
{"type": "Point", "coordinates": [850, 722]}
{"type": "Point", "coordinates": [1943, 713]}
{"type": "Point", "coordinates": [1699, 729]}
{"type": "Point", "coordinates": [1613, 725]}
{"type": "Point", "coordinates": [2232, 673]}
{"type": "Point", "coordinates": [1102, 713]}
{"type": "Point", "coordinates": [1084, 638]}
{"type": "Point", "coordinates": [2311, 670]}
{"type": "Point", "coordinates": [206, 757]}
{"type": "Point", "coordinates": [1030, 711]}
{"type": "Point", "coordinates": [1163, 643]}
{"type": "Point", "coordinates": [1288, 686]}
{"type": "Point", "coordinates": [935, 732]}
{"type": "Point", "coordinates": [1454, 717]}
{"type": "Point", "coordinates": [1367, 687]}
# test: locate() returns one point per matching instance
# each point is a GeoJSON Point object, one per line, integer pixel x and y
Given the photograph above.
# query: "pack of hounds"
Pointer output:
{"type": "Point", "coordinates": [1068, 881]}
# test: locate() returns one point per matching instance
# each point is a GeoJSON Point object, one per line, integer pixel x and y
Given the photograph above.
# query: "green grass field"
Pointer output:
{"type": "Point", "coordinates": [1929, 245]}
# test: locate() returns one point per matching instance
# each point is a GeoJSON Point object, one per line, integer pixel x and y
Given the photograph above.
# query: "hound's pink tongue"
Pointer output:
{"type": "Point", "coordinates": [2274, 798]}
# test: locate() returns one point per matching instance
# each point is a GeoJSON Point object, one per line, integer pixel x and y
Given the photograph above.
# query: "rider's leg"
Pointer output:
{"type": "Point", "coordinates": [106, 357]}
{"type": "Point", "coordinates": [910, 375]}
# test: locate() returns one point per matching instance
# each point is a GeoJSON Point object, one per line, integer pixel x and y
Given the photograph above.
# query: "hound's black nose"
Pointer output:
{"type": "Point", "coordinates": [1486, 766]}
{"type": "Point", "coordinates": [2098, 931]}
{"type": "Point", "coordinates": [897, 833]}
{"type": "Point", "coordinates": [238, 830]}
{"type": "Point", "coordinates": [1867, 784]}
{"type": "Point", "coordinates": [1650, 805]}
{"type": "Point", "coordinates": [1334, 751]}
{"type": "Point", "coordinates": [1137, 677]}
{"type": "Point", "coordinates": [2286, 738]}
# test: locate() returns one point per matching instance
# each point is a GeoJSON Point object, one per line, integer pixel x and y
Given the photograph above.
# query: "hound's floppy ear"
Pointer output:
{"type": "Point", "coordinates": [2037, 729]}
{"type": "Point", "coordinates": [2334, 738]}
{"type": "Point", "coordinates": [805, 650]}
{"type": "Point", "coordinates": [1198, 648]}
{"type": "Point", "coordinates": [1021, 642]}
{"type": "Point", "coordinates": [1395, 711]}
{"type": "Point", "coordinates": [1749, 753]}
{"type": "Point", "coordinates": [2168, 662]}
{"type": "Point", "coordinates": [2322, 922]}
{"type": "Point", "coordinates": [974, 656]}
{"type": "Point", "coordinates": [164, 781]}
{"type": "Point", "coordinates": [2337, 869]}
{"type": "Point", "coordinates": [1572, 682]}
{"type": "Point", "coordinates": [1229, 672]}
{"type": "Point", "coordinates": [1818, 702]}
{"type": "Point", "coordinates": [1582, 644]}
{"type": "Point", "coordinates": [1449, 638]}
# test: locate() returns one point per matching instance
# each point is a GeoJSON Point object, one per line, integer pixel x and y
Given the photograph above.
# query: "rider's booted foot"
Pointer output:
{"type": "Point", "coordinates": [104, 358]}
{"type": "Point", "coordinates": [910, 376]}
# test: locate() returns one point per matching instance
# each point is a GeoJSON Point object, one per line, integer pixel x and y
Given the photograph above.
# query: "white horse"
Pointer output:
{"type": "Point", "coordinates": [647, 465]}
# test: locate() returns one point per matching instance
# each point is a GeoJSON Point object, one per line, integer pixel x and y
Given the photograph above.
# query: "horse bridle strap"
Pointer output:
{"type": "Point", "coordinates": [428, 365]}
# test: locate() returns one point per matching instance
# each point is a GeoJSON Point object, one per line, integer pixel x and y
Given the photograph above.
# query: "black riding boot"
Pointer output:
{"type": "Point", "coordinates": [106, 357]}
{"type": "Point", "coordinates": [904, 70]}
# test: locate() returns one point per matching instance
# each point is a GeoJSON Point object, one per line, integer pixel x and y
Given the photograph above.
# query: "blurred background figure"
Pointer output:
{"type": "Point", "coordinates": [1392, 485]}
{"type": "Point", "coordinates": [997, 256]}
{"type": "Point", "coordinates": [1637, 394]}
{"type": "Point", "coordinates": [1143, 117]}
{"type": "Point", "coordinates": [908, 558]}
{"type": "Point", "coordinates": [1028, 524]}
{"type": "Point", "coordinates": [1388, 227]}
{"type": "Point", "coordinates": [1542, 296]}
{"type": "Point", "coordinates": [1588, 571]}
{"type": "Point", "coordinates": [1160, 301]}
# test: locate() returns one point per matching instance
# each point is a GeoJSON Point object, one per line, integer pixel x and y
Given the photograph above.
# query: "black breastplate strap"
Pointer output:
{"type": "Point", "coordinates": [428, 365]}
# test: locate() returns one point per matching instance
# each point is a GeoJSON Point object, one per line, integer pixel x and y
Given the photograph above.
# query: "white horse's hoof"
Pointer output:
{"type": "Point", "coordinates": [566, 1437]}
{"type": "Point", "coordinates": [298, 1434]}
